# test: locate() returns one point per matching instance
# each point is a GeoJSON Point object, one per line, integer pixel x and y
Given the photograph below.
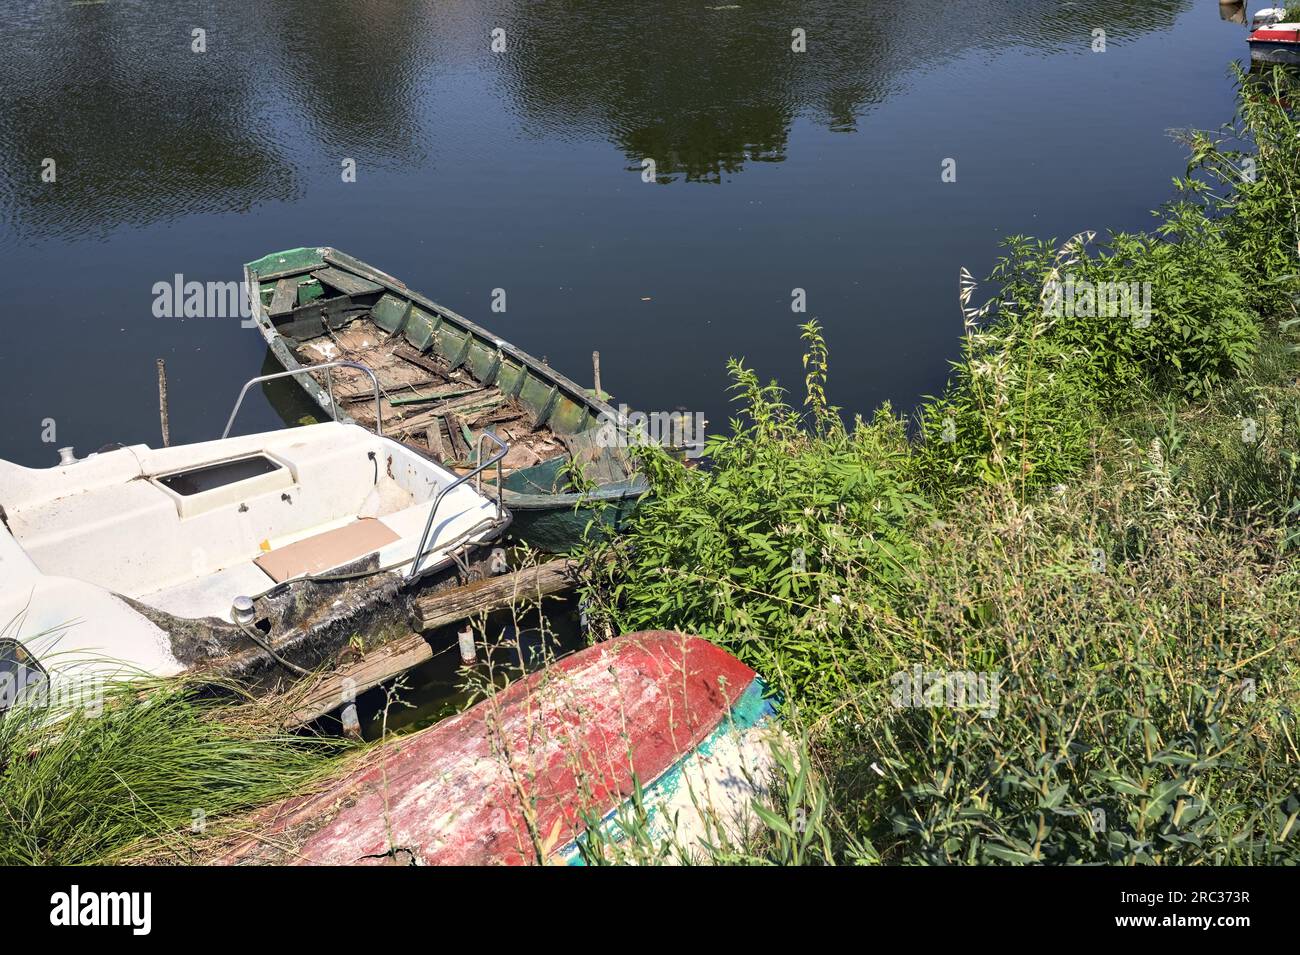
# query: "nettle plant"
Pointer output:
{"type": "Point", "coordinates": [1165, 312]}
{"type": "Point", "coordinates": [783, 550]}
{"type": "Point", "coordinates": [1250, 171]}
{"type": "Point", "coordinates": [1202, 331]}
{"type": "Point", "coordinates": [1020, 407]}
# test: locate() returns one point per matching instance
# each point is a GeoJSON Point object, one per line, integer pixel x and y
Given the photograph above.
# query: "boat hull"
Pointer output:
{"type": "Point", "coordinates": [1283, 54]}
{"type": "Point", "coordinates": [316, 528]}
{"type": "Point", "coordinates": [518, 778]}
{"type": "Point", "coordinates": [555, 520]}
{"type": "Point", "coordinates": [1276, 43]}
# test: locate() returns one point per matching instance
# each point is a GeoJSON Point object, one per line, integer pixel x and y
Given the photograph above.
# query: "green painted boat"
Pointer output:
{"type": "Point", "coordinates": [444, 380]}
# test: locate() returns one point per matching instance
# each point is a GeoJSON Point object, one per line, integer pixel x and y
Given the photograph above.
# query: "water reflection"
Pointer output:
{"type": "Point", "coordinates": [705, 90]}
{"type": "Point", "coordinates": [1233, 12]}
{"type": "Point", "coordinates": [481, 170]}
{"type": "Point", "coordinates": [352, 70]}
{"type": "Point", "coordinates": [140, 127]}
{"type": "Point", "coordinates": [143, 128]}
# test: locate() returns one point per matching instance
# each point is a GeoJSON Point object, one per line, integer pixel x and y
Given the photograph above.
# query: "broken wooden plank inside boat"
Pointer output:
{"type": "Point", "coordinates": [444, 381]}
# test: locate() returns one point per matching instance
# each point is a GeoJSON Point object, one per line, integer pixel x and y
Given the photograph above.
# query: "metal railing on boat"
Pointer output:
{"type": "Point", "coordinates": [502, 450]}
{"type": "Point", "coordinates": [329, 384]}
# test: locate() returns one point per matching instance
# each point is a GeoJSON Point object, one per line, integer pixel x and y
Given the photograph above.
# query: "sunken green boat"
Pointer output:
{"type": "Point", "coordinates": [442, 382]}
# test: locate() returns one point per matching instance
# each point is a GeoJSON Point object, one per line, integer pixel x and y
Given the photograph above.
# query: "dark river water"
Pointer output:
{"type": "Point", "coordinates": [522, 170]}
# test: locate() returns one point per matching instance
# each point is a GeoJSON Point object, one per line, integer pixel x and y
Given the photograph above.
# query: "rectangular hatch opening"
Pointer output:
{"type": "Point", "coordinates": [211, 476]}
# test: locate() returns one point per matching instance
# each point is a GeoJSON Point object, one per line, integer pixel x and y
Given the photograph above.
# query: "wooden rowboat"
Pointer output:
{"type": "Point", "coordinates": [443, 381]}
{"type": "Point", "coordinates": [516, 778]}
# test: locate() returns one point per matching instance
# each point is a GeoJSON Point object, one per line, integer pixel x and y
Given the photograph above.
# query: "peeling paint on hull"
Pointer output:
{"type": "Point", "coordinates": [510, 780]}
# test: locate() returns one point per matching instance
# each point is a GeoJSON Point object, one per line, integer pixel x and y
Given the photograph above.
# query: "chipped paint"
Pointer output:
{"type": "Point", "coordinates": [510, 780]}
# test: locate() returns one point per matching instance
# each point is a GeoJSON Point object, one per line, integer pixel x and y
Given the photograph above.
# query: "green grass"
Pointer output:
{"type": "Point", "coordinates": [1100, 516]}
{"type": "Point", "coordinates": [78, 786]}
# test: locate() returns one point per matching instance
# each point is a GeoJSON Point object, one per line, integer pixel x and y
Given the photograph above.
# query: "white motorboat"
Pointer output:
{"type": "Point", "coordinates": [239, 556]}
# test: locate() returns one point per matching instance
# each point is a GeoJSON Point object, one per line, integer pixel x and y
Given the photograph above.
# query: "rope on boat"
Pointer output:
{"type": "Point", "coordinates": [254, 635]}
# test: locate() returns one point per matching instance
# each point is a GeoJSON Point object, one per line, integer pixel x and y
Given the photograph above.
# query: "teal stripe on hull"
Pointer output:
{"type": "Point", "coordinates": [754, 708]}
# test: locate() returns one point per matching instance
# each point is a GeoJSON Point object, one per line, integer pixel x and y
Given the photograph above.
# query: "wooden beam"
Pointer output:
{"type": "Point", "coordinates": [495, 593]}
{"type": "Point", "coordinates": [377, 666]}
{"type": "Point", "coordinates": [285, 297]}
{"type": "Point", "coordinates": [433, 438]}
{"type": "Point", "coordinates": [345, 282]}
{"type": "Point", "coordinates": [407, 353]}
{"type": "Point", "coordinates": [477, 400]}
{"type": "Point", "coordinates": [459, 446]}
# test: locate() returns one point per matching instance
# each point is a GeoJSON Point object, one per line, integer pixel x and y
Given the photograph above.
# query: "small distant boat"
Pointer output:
{"type": "Point", "coordinates": [238, 557]}
{"type": "Point", "coordinates": [515, 778]}
{"type": "Point", "coordinates": [443, 381]}
{"type": "Point", "coordinates": [1272, 40]}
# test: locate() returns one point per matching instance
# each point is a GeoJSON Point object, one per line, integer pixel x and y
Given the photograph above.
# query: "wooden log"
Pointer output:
{"type": "Point", "coordinates": [457, 437]}
{"type": "Point", "coordinates": [407, 353]}
{"type": "Point", "coordinates": [433, 436]}
{"type": "Point", "coordinates": [162, 403]}
{"type": "Point", "coordinates": [377, 666]}
{"type": "Point", "coordinates": [495, 593]}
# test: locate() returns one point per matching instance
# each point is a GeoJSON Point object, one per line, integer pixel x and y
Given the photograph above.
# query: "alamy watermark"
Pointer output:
{"type": "Point", "coordinates": [192, 299]}
{"type": "Point", "coordinates": [133, 910]}
{"type": "Point", "coordinates": [675, 430]}
{"type": "Point", "coordinates": [32, 687]}
{"type": "Point", "coordinates": [1079, 298]}
{"type": "Point", "coordinates": [954, 689]}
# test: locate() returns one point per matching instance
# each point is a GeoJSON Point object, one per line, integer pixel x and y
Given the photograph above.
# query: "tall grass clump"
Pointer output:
{"type": "Point", "coordinates": [85, 785]}
{"type": "Point", "coordinates": [1144, 661]}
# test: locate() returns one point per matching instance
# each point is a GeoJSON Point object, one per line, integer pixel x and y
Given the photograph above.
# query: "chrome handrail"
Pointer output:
{"type": "Point", "coordinates": [329, 383]}
{"type": "Point", "coordinates": [478, 473]}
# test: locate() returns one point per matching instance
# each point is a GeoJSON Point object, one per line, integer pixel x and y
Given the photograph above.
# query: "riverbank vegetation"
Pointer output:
{"type": "Point", "coordinates": [1098, 518]}
{"type": "Point", "coordinates": [1052, 618]}
{"type": "Point", "coordinates": [142, 771]}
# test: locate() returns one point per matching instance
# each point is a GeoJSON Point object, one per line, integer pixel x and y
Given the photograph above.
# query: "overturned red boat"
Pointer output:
{"type": "Point", "coordinates": [517, 778]}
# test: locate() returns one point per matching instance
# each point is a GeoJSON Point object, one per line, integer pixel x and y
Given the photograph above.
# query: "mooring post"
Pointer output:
{"type": "Point", "coordinates": [162, 402]}
{"type": "Point", "coordinates": [595, 371]}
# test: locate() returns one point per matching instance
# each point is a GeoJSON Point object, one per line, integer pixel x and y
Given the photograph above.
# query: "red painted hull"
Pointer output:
{"type": "Point", "coordinates": [574, 733]}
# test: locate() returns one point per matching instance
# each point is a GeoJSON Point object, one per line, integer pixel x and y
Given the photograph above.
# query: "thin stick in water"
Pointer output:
{"type": "Point", "coordinates": [162, 402]}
